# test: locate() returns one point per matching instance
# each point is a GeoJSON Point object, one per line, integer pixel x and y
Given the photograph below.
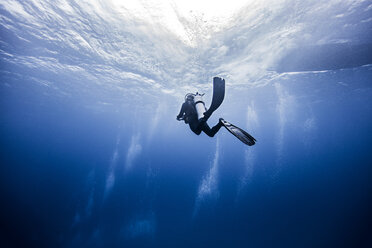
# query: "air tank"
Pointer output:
{"type": "Point", "coordinates": [199, 105]}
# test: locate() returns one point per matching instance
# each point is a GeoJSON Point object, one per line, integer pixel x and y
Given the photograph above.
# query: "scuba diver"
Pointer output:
{"type": "Point", "coordinates": [194, 113]}
{"type": "Point", "coordinates": [189, 114]}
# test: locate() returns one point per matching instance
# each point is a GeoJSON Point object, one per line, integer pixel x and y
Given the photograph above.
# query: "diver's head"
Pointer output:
{"type": "Point", "coordinates": [189, 97]}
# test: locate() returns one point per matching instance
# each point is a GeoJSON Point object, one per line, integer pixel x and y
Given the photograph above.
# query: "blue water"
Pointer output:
{"type": "Point", "coordinates": [92, 154]}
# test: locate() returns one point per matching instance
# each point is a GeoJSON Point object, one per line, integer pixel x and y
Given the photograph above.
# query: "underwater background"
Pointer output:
{"type": "Point", "coordinates": [92, 154]}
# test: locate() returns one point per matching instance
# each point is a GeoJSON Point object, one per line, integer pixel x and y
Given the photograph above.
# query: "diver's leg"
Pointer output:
{"type": "Point", "coordinates": [216, 128]}
{"type": "Point", "coordinates": [211, 131]}
{"type": "Point", "coordinates": [195, 127]}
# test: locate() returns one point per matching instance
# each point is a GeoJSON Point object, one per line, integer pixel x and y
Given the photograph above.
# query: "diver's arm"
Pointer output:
{"type": "Point", "coordinates": [182, 111]}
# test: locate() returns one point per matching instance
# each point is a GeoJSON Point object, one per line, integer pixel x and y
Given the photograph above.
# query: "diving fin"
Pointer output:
{"type": "Point", "coordinates": [242, 135]}
{"type": "Point", "coordinates": [218, 96]}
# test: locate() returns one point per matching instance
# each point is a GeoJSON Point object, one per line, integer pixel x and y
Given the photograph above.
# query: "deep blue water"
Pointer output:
{"type": "Point", "coordinates": [92, 155]}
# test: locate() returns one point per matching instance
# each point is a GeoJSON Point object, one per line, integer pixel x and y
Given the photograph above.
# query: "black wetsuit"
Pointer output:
{"type": "Point", "coordinates": [188, 112]}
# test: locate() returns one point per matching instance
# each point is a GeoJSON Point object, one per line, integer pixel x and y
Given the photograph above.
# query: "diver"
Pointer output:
{"type": "Point", "coordinates": [194, 113]}
{"type": "Point", "coordinates": [189, 114]}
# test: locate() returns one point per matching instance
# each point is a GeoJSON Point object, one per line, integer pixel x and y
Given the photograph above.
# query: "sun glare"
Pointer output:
{"type": "Point", "coordinates": [167, 12]}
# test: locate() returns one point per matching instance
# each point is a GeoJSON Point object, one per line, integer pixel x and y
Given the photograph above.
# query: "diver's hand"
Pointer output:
{"type": "Point", "coordinates": [178, 118]}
